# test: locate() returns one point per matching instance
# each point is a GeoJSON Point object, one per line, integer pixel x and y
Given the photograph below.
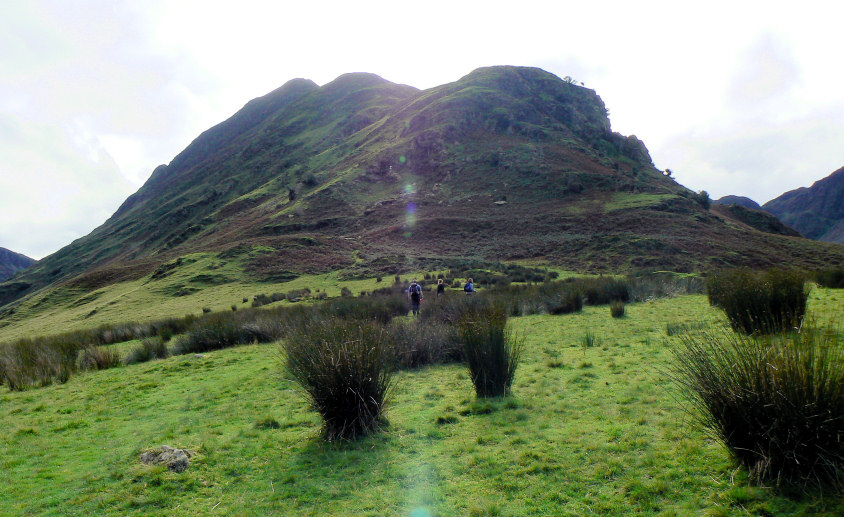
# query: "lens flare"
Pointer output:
{"type": "Point", "coordinates": [402, 159]}
{"type": "Point", "coordinates": [410, 216]}
{"type": "Point", "coordinates": [421, 512]}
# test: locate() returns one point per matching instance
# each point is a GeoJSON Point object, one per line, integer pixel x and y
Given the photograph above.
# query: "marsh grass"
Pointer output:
{"type": "Point", "coordinates": [617, 309]}
{"type": "Point", "coordinates": [346, 369]}
{"type": "Point", "coordinates": [418, 343]}
{"type": "Point", "coordinates": [760, 301]}
{"type": "Point", "coordinates": [590, 339]}
{"type": "Point", "coordinates": [775, 401]}
{"type": "Point", "coordinates": [28, 363]}
{"type": "Point", "coordinates": [149, 349]}
{"type": "Point", "coordinates": [492, 350]}
{"type": "Point", "coordinates": [98, 358]}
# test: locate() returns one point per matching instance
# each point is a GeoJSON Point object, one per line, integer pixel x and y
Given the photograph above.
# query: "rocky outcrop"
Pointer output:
{"type": "Point", "coordinates": [177, 460]}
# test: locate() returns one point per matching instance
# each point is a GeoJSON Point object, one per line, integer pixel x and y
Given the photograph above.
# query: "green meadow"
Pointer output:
{"type": "Point", "coordinates": [588, 430]}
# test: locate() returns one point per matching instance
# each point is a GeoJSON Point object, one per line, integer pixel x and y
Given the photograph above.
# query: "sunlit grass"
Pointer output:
{"type": "Point", "coordinates": [587, 431]}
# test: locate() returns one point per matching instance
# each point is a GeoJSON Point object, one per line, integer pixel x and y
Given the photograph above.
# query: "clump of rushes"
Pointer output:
{"type": "Point", "coordinates": [214, 332]}
{"type": "Point", "coordinates": [346, 369]}
{"type": "Point", "coordinates": [775, 401]}
{"type": "Point", "coordinates": [832, 277]}
{"type": "Point", "coordinates": [490, 348]}
{"type": "Point", "coordinates": [617, 309]}
{"type": "Point", "coordinates": [419, 343]}
{"type": "Point", "coordinates": [36, 362]}
{"type": "Point", "coordinates": [589, 339]}
{"type": "Point", "coordinates": [760, 301]}
{"type": "Point", "coordinates": [98, 358]}
{"type": "Point", "coordinates": [149, 349]}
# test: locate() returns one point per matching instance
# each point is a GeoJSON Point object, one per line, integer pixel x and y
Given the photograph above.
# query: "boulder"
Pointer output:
{"type": "Point", "coordinates": [177, 460]}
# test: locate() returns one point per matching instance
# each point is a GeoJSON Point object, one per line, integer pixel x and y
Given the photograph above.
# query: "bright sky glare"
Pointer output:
{"type": "Point", "coordinates": [737, 98]}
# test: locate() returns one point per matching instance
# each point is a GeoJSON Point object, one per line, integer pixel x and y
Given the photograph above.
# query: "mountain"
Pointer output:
{"type": "Point", "coordinates": [753, 217]}
{"type": "Point", "coordinates": [745, 202]}
{"type": "Point", "coordinates": [817, 212]}
{"type": "Point", "coordinates": [11, 263]}
{"type": "Point", "coordinates": [370, 177]}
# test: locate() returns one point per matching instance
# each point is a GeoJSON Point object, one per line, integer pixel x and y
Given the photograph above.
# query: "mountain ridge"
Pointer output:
{"type": "Point", "coordinates": [369, 176]}
{"type": "Point", "coordinates": [11, 262]}
{"type": "Point", "coordinates": [817, 211]}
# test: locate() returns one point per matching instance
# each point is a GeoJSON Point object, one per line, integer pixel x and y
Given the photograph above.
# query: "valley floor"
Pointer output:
{"type": "Point", "coordinates": [589, 430]}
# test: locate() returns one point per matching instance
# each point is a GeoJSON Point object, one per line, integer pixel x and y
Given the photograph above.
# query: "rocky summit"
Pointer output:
{"type": "Point", "coordinates": [370, 177]}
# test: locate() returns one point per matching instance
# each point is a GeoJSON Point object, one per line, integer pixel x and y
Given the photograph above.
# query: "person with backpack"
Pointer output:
{"type": "Point", "coordinates": [415, 292]}
{"type": "Point", "coordinates": [440, 288]}
{"type": "Point", "coordinates": [469, 287]}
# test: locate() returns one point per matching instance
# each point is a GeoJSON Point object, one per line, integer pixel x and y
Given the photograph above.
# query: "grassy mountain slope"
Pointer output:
{"type": "Point", "coordinates": [11, 263]}
{"type": "Point", "coordinates": [755, 218]}
{"type": "Point", "coordinates": [371, 177]}
{"type": "Point", "coordinates": [817, 212]}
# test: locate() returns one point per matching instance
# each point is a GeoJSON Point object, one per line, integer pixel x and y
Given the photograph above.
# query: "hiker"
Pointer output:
{"type": "Point", "coordinates": [469, 287]}
{"type": "Point", "coordinates": [440, 287]}
{"type": "Point", "coordinates": [415, 291]}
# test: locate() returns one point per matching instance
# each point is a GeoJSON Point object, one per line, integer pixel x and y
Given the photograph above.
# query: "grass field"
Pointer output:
{"type": "Point", "coordinates": [589, 430]}
{"type": "Point", "coordinates": [143, 301]}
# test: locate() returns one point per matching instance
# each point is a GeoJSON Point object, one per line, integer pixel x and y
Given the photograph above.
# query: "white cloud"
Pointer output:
{"type": "Point", "coordinates": [55, 185]}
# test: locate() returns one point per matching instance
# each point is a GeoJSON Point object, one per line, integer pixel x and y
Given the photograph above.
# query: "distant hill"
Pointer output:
{"type": "Point", "coordinates": [746, 202]}
{"type": "Point", "coordinates": [817, 212]}
{"type": "Point", "coordinates": [11, 263]}
{"type": "Point", "coordinates": [755, 218]}
{"type": "Point", "coordinates": [367, 177]}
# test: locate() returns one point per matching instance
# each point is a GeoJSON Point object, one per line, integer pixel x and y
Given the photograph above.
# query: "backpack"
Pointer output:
{"type": "Point", "coordinates": [415, 292]}
{"type": "Point", "coordinates": [467, 287]}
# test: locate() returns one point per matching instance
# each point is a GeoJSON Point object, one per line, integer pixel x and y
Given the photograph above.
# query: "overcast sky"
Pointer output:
{"type": "Point", "coordinates": [736, 97]}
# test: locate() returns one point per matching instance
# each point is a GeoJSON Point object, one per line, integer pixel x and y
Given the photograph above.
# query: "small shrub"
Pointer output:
{"type": "Point", "coordinates": [346, 368]}
{"type": "Point", "coordinates": [702, 198]}
{"type": "Point", "coordinates": [776, 401]}
{"type": "Point", "coordinates": [206, 310]}
{"type": "Point", "coordinates": [617, 309]}
{"type": "Point", "coordinates": [245, 300]}
{"type": "Point", "coordinates": [165, 333]}
{"type": "Point", "coordinates": [760, 301]}
{"type": "Point", "coordinates": [345, 292]}
{"type": "Point", "coordinates": [98, 358]}
{"type": "Point", "coordinates": [491, 350]}
{"type": "Point", "coordinates": [234, 308]}
{"type": "Point", "coordinates": [148, 350]}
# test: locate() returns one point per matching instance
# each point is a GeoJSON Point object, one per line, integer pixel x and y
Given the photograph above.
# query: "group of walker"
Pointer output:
{"type": "Point", "coordinates": [416, 296]}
